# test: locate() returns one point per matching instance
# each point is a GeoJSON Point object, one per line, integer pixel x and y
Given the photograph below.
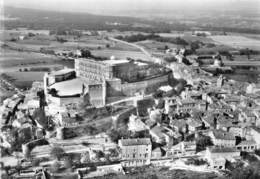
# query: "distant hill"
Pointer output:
{"type": "Point", "coordinates": [43, 19]}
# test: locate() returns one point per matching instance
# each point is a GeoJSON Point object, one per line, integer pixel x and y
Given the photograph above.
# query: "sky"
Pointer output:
{"type": "Point", "coordinates": [120, 6]}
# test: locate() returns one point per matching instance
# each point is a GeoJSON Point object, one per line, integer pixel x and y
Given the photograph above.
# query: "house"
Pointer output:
{"type": "Point", "coordinates": [164, 135]}
{"type": "Point", "coordinates": [179, 125]}
{"type": "Point", "coordinates": [247, 146]}
{"type": "Point", "coordinates": [135, 124]}
{"type": "Point", "coordinates": [247, 117]}
{"type": "Point", "coordinates": [135, 152]}
{"type": "Point", "coordinates": [156, 153]}
{"type": "Point", "coordinates": [186, 105]}
{"type": "Point", "coordinates": [105, 170]}
{"type": "Point", "coordinates": [155, 115]}
{"type": "Point", "coordinates": [255, 134]}
{"type": "Point", "coordinates": [222, 138]}
{"type": "Point", "coordinates": [237, 131]}
{"type": "Point", "coordinates": [208, 121]}
{"type": "Point", "coordinates": [217, 163]}
{"type": "Point", "coordinates": [170, 105]}
{"type": "Point", "coordinates": [183, 148]}
{"type": "Point", "coordinates": [194, 125]}
{"type": "Point", "coordinates": [229, 153]}
{"type": "Point", "coordinates": [167, 90]}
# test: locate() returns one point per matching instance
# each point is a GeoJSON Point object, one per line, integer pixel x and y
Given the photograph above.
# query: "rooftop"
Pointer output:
{"type": "Point", "coordinates": [247, 142]}
{"type": "Point", "coordinates": [62, 72]}
{"type": "Point", "coordinates": [158, 131]}
{"type": "Point", "coordinates": [222, 149]}
{"type": "Point", "coordinates": [138, 141]}
{"type": "Point", "coordinates": [220, 134]}
{"type": "Point", "coordinates": [115, 62]}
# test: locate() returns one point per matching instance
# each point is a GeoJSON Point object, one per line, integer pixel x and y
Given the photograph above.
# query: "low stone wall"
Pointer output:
{"type": "Point", "coordinates": [60, 101]}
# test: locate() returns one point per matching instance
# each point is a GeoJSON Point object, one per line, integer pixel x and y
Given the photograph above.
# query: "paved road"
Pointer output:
{"type": "Point", "coordinates": [148, 54]}
{"type": "Point", "coordinates": [132, 98]}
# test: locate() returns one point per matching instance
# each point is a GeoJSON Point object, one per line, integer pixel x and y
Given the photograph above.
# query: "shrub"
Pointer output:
{"type": "Point", "coordinates": [57, 152]}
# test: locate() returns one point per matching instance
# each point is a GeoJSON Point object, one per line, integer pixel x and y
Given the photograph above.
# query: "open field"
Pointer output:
{"type": "Point", "coordinates": [154, 45]}
{"type": "Point", "coordinates": [11, 62]}
{"type": "Point", "coordinates": [237, 41]}
{"type": "Point", "coordinates": [192, 38]}
{"type": "Point", "coordinates": [213, 50]}
{"type": "Point", "coordinates": [25, 79]}
{"type": "Point", "coordinates": [12, 58]}
{"type": "Point", "coordinates": [251, 36]}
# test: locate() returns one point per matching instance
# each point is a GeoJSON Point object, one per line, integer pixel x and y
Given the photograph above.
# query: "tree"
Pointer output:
{"type": "Point", "coordinates": [35, 162]}
{"type": "Point", "coordinates": [67, 162]}
{"type": "Point", "coordinates": [113, 152]}
{"type": "Point", "coordinates": [53, 92]}
{"type": "Point", "coordinates": [85, 53]}
{"type": "Point", "coordinates": [100, 154]}
{"type": "Point", "coordinates": [55, 166]}
{"type": "Point", "coordinates": [30, 34]}
{"type": "Point", "coordinates": [41, 95]}
{"type": "Point", "coordinates": [57, 153]}
{"type": "Point", "coordinates": [202, 142]}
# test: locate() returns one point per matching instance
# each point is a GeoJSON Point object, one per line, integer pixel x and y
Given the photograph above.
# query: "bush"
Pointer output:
{"type": "Point", "coordinates": [35, 162]}
{"type": "Point", "coordinates": [248, 157]}
{"type": "Point", "coordinates": [55, 166]}
{"type": "Point", "coordinates": [202, 142]}
{"type": "Point", "coordinates": [257, 152]}
{"type": "Point", "coordinates": [85, 53]}
{"type": "Point", "coordinates": [57, 152]}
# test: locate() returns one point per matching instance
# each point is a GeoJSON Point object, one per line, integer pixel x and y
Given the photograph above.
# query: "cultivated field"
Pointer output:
{"type": "Point", "coordinates": [155, 46]}
{"type": "Point", "coordinates": [237, 41]}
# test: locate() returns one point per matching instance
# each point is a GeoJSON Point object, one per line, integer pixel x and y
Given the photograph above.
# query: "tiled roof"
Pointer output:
{"type": "Point", "coordinates": [222, 149]}
{"type": "Point", "coordinates": [247, 142]}
{"type": "Point", "coordinates": [178, 123]}
{"type": "Point", "coordinates": [220, 134]}
{"type": "Point", "coordinates": [138, 141]}
{"type": "Point", "coordinates": [194, 122]}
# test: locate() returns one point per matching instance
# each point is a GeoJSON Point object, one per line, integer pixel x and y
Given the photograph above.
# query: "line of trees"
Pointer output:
{"type": "Point", "coordinates": [141, 37]}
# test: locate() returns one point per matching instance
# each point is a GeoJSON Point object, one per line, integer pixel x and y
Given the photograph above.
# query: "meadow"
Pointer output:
{"type": "Point", "coordinates": [237, 41]}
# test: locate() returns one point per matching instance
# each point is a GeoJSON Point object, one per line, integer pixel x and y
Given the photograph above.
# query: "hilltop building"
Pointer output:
{"type": "Point", "coordinates": [103, 79]}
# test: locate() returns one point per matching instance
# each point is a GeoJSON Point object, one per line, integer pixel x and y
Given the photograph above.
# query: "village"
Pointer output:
{"type": "Point", "coordinates": [106, 117]}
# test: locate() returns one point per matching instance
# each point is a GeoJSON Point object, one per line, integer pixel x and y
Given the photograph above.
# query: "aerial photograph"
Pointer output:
{"type": "Point", "coordinates": [130, 89]}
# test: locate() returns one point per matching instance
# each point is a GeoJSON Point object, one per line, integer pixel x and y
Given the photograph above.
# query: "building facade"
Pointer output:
{"type": "Point", "coordinates": [135, 152]}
